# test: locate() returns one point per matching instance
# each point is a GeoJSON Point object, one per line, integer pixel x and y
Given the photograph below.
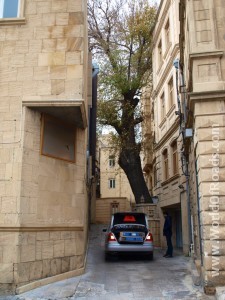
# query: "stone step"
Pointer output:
{"type": "Point", "coordinates": [220, 293]}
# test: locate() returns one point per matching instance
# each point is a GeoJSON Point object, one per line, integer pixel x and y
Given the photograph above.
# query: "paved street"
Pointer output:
{"type": "Point", "coordinates": [123, 278]}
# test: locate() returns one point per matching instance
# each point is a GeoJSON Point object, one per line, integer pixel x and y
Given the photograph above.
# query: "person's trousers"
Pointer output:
{"type": "Point", "coordinates": [169, 246]}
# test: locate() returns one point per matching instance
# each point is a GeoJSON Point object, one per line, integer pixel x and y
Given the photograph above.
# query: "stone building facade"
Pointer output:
{"type": "Point", "coordinates": [202, 69]}
{"type": "Point", "coordinates": [168, 180]}
{"type": "Point", "coordinates": [185, 166]}
{"type": "Point", "coordinates": [44, 73]}
{"type": "Point", "coordinates": [113, 180]}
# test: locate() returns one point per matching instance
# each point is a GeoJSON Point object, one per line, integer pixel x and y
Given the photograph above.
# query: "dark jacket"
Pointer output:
{"type": "Point", "coordinates": [167, 228]}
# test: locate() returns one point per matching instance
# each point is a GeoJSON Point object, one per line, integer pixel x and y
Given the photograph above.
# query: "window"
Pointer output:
{"type": "Point", "coordinates": [58, 139]}
{"type": "Point", "coordinates": [111, 161]}
{"type": "Point", "coordinates": [175, 158]}
{"type": "Point", "coordinates": [12, 12]}
{"type": "Point", "coordinates": [171, 92]}
{"type": "Point", "coordinates": [9, 8]}
{"type": "Point", "coordinates": [163, 107]}
{"type": "Point", "coordinates": [115, 207]}
{"type": "Point", "coordinates": [112, 183]}
{"type": "Point", "coordinates": [160, 53]}
{"type": "Point", "coordinates": [155, 175]}
{"type": "Point", "coordinates": [167, 34]}
{"type": "Point", "coordinates": [165, 164]}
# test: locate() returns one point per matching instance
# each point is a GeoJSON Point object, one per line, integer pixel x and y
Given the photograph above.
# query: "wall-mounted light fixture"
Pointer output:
{"type": "Point", "coordinates": [155, 199]}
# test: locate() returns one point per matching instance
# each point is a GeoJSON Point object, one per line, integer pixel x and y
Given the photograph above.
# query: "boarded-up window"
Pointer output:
{"type": "Point", "coordinates": [58, 139]}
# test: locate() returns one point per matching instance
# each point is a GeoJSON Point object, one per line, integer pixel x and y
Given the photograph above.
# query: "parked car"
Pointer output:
{"type": "Point", "coordinates": [128, 232]}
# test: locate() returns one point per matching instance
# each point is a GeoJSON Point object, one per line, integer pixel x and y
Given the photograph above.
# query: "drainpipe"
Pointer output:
{"type": "Point", "coordinates": [93, 115]}
{"type": "Point", "coordinates": [92, 111]}
{"type": "Point", "coordinates": [182, 117]}
{"type": "Point", "coordinates": [199, 217]}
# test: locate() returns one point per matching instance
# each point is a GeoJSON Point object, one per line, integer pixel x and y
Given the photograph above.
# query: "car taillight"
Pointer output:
{"type": "Point", "coordinates": [149, 237]}
{"type": "Point", "coordinates": [111, 237]}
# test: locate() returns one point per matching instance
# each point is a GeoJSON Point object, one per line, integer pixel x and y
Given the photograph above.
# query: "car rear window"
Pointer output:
{"type": "Point", "coordinates": [129, 218]}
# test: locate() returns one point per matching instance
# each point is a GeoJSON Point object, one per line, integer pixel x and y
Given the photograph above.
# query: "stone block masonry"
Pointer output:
{"type": "Point", "coordinates": [43, 200]}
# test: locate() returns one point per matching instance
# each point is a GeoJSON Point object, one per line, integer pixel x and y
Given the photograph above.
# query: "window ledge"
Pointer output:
{"type": "Point", "coordinates": [12, 21]}
{"type": "Point", "coordinates": [163, 121]}
{"type": "Point", "coordinates": [170, 179]}
{"type": "Point", "coordinates": [171, 110]}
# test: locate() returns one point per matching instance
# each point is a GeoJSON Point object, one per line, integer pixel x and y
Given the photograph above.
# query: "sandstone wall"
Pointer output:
{"type": "Point", "coordinates": [43, 202]}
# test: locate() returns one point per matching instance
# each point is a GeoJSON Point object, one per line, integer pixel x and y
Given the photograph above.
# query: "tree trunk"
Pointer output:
{"type": "Point", "coordinates": [130, 162]}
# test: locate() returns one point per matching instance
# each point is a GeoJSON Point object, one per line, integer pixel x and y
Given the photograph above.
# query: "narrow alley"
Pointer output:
{"type": "Point", "coordinates": [123, 278]}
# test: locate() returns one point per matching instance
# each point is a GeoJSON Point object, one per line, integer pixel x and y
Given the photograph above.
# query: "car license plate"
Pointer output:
{"type": "Point", "coordinates": [133, 239]}
{"type": "Point", "coordinates": [131, 236]}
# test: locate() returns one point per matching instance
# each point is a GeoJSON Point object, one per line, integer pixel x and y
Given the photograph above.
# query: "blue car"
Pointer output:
{"type": "Point", "coordinates": [128, 233]}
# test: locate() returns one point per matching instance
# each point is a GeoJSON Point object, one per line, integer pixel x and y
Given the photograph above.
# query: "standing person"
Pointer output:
{"type": "Point", "coordinates": [167, 232]}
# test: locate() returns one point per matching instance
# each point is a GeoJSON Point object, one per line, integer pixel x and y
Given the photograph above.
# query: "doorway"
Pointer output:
{"type": "Point", "coordinates": [179, 238]}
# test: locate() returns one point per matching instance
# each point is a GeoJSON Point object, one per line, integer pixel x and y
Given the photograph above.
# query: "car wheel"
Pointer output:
{"type": "Point", "coordinates": [107, 257]}
{"type": "Point", "coordinates": [150, 256]}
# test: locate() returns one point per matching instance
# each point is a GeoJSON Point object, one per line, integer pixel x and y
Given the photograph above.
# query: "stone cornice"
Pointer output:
{"type": "Point", "coordinates": [197, 55]}
{"type": "Point", "coordinates": [208, 95]}
{"type": "Point", "coordinates": [204, 96]}
{"type": "Point", "coordinates": [73, 111]}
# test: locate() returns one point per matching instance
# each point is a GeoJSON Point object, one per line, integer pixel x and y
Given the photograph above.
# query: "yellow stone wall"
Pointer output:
{"type": "Point", "coordinates": [122, 186]}
{"type": "Point", "coordinates": [203, 29]}
{"type": "Point", "coordinates": [166, 127]}
{"type": "Point", "coordinates": [43, 202]}
{"type": "Point", "coordinates": [104, 208]}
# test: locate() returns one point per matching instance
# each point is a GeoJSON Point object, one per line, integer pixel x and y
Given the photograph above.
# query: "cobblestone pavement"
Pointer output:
{"type": "Point", "coordinates": [123, 278]}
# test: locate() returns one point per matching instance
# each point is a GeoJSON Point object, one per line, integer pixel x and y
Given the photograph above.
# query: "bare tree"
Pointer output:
{"type": "Point", "coordinates": [120, 33]}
